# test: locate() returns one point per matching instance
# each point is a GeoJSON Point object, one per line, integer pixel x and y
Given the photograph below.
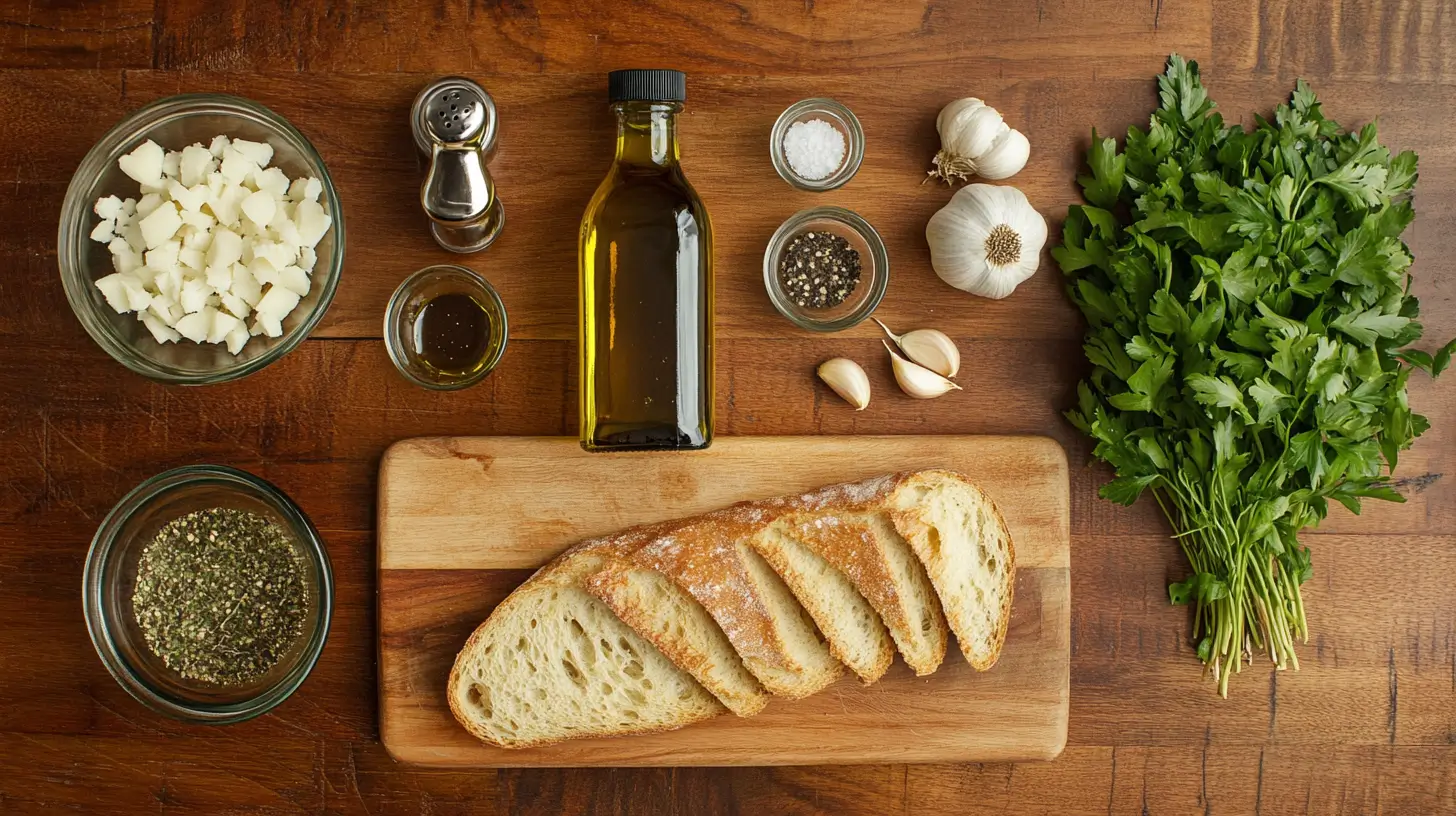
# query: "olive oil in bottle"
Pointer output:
{"type": "Point", "coordinates": [646, 287]}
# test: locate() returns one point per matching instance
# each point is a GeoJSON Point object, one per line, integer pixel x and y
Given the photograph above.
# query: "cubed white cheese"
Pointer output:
{"type": "Point", "coordinates": [197, 163]}
{"type": "Point", "coordinates": [313, 222]}
{"type": "Point", "coordinates": [263, 271]}
{"type": "Point", "coordinates": [137, 297]}
{"type": "Point", "coordinates": [220, 278]}
{"type": "Point", "coordinates": [189, 199]}
{"type": "Point", "coordinates": [259, 207]}
{"type": "Point", "coordinates": [226, 202]}
{"type": "Point", "coordinates": [226, 247]}
{"type": "Point", "coordinates": [161, 225]}
{"type": "Point", "coordinates": [132, 234]}
{"type": "Point", "coordinates": [294, 280]}
{"type": "Point", "coordinates": [201, 220]}
{"type": "Point", "coordinates": [273, 182]}
{"type": "Point", "coordinates": [237, 338]}
{"type": "Point", "coordinates": [277, 303]}
{"type": "Point", "coordinates": [165, 256]}
{"type": "Point", "coordinates": [222, 325]}
{"type": "Point", "coordinates": [108, 208]}
{"type": "Point", "coordinates": [144, 164]}
{"type": "Point", "coordinates": [296, 188]}
{"type": "Point", "coordinates": [220, 143]}
{"type": "Point", "coordinates": [159, 329]}
{"type": "Point", "coordinates": [193, 296]}
{"type": "Point", "coordinates": [102, 234]}
{"type": "Point", "coordinates": [113, 289]}
{"type": "Point", "coordinates": [246, 286]}
{"type": "Point", "coordinates": [276, 254]}
{"type": "Point", "coordinates": [166, 309]}
{"type": "Point", "coordinates": [288, 235]}
{"type": "Point", "coordinates": [235, 305]}
{"type": "Point", "coordinates": [171, 164]}
{"type": "Point", "coordinates": [236, 167]}
{"type": "Point", "coordinates": [312, 188]}
{"type": "Point", "coordinates": [307, 259]}
{"type": "Point", "coordinates": [195, 326]}
{"type": "Point", "coordinates": [148, 203]}
{"type": "Point", "coordinates": [191, 258]}
{"type": "Point", "coordinates": [259, 153]}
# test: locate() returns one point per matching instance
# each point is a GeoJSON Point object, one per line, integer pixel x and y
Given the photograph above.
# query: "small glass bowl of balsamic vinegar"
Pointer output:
{"type": "Point", "coordinates": [445, 328]}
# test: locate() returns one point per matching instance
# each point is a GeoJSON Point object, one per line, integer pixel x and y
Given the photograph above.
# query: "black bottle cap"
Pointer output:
{"type": "Point", "coordinates": [647, 85]}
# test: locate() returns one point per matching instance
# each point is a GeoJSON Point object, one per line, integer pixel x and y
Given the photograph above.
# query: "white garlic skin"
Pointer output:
{"type": "Point", "coordinates": [976, 141]}
{"type": "Point", "coordinates": [928, 347]}
{"type": "Point", "coordinates": [848, 380]}
{"type": "Point", "coordinates": [916, 380]}
{"type": "Point", "coordinates": [958, 233]}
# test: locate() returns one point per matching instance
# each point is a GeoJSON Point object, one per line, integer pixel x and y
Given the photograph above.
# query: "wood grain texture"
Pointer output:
{"type": "Point", "coordinates": [447, 557]}
{"type": "Point", "coordinates": [1367, 726]}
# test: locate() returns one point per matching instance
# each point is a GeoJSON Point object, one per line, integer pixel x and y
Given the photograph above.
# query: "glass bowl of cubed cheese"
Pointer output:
{"type": "Point", "coordinates": [201, 239]}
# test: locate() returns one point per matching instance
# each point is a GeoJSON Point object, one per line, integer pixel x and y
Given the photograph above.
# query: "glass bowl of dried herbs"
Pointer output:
{"type": "Point", "coordinates": [208, 594]}
{"type": "Point", "coordinates": [826, 269]}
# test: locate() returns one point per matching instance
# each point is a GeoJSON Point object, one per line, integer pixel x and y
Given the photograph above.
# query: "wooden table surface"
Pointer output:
{"type": "Point", "coordinates": [1368, 725]}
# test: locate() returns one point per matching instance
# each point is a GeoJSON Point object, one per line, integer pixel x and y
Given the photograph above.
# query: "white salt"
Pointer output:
{"type": "Point", "coordinates": [815, 149]}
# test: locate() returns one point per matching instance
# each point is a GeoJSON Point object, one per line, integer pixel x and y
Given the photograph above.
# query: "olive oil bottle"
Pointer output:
{"type": "Point", "coordinates": [646, 287]}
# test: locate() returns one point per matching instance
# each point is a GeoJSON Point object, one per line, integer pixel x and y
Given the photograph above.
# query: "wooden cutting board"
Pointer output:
{"type": "Point", "coordinates": [463, 521]}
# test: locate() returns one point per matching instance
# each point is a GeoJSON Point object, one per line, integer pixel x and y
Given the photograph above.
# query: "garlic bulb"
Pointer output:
{"type": "Point", "coordinates": [974, 141]}
{"type": "Point", "coordinates": [916, 380]}
{"type": "Point", "coordinates": [929, 348]}
{"type": "Point", "coordinates": [848, 380]}
{"type": "Point", "coordinates": [987, 240]}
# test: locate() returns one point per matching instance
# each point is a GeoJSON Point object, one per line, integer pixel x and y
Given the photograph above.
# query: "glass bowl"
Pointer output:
{"type": "Point", "coordinates": [841, 119]}
{"type": "Point", "coordinates": [174, 123]}
{"type": "Point", "coordinates": [404, 310]}
{"type": "Point", "coordinates": [874, 269]}
{"type": "Point", "coordinates": [110, 578]}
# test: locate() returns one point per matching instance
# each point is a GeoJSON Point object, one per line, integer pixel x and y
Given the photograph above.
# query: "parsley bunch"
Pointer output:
{"type": "Point", "coordinates": [1249, 325]}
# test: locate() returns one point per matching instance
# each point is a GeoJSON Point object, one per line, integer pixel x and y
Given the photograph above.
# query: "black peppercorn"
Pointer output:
{"type": "Point", "coordinates": [819, 270]}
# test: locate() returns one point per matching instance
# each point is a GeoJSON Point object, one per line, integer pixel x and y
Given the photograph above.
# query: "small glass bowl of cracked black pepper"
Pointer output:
{"type": "Point", "coordinates": [208, 594]}
{"type": "Point", "coordinates": [826, 269]}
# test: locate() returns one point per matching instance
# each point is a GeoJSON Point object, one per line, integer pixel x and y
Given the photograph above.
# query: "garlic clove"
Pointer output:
{"type": "Point", "coordinates": [1006, 156]}
{"type": "Point", "coordinates": [929, 348]}
{"type": "Point", "coordinates": [848, 381]}
{"type": "Point", "coordinates": [916, 380]}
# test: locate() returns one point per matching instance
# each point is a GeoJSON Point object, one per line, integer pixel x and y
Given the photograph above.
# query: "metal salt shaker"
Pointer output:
{"type": "Point", "coordinates": [454, 122]}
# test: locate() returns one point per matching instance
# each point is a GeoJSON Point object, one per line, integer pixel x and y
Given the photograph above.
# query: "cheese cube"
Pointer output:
{"type": "Point", "coordinates": [277, 303]}
{"type": "Point", "coordinates": [197, 163]}
{"type": "Point", "coordinates": [148, 203]}
{"type": "Point", "coordinates": [235, 305]}
{"type": "Point", "coordinates": [137, 297]}
{"type": "Point", "coordinates": [226, 247]}
{"type": "Point", "coordinates": [237, 338]}
{"type": "Point", "coordinates": [159, 329]}
{"type": "Point", "coordinates": [113, 289]}
{"type": "Point", "coordinates": [222, 325]}
{"type": "Point", "coordinates": [220, 278]}
{"type": "Point", "coordinates": [307, 258]}
{"type": "Point", "coordinates": [246, 285]}
{"type": "Point", "coordinates": [259, 207]}
{"type": "Point", "coordinates": [195, 326]}
{"type": "Point", "coordinates": [193, 296]}
{"type": "Point", "coordinates": [225, 203]}
{"type": "Point", "coordinates": [313, 222]}
{"type": "Point", "coordinates": [273, 182]}
{"type": "Point", "coordinates": [132, 233]}
{"type": "Point", "coordinates": [144, 164]}
{"type": "Point", "coordinates": [191, 258]}
{"type": "Point", "coordinates": [198, 239]}
{"type": "Point", "coordinates": [294, 280]}
{"type": "Point", "coordinates": [200, 220]}
{"type": "Point", "coordinates": [236, 167]}
{"type": "Point", "coordinates": [102, 234]}
{"type": "Point", "coordinates": [189, 199]}
{"type": "Point", "coordinates": [161, 225]}
{"type": "Point", "coordinates": [220, 143]}
{"type": "Point", "coordinates": [165, 309]}
{"type": "Point", "coordinates": [165, 256]}
{"type": "Point", "coordinates": [171, 163]}
{"type": "Point", "coordinates": [108, 208]}
{"type": "Point", "coordinates": [312, 188]}
{"type": "Point", "coordinates": [259, 153]}
{"type": "Point", "coordinates": [270, 326]}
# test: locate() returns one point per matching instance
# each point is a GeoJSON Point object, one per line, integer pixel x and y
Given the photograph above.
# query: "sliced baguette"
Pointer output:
{"type": "Point", "coordinates": [709, 558]}
{"type": "Point", "coordinates": [849, 624]}
{"type": "Point", "coordinates": [552, 663]}
{"type": "Point", "coordinates": [880, 565]}
{"type": "Point", "coordinates": [679, 626]}
{"type": "Point", "coordinates": [962, 540]}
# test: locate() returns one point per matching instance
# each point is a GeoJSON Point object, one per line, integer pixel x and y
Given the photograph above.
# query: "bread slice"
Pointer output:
{"type": "Point", "coordinates": [849, 624]}
{"type": "Point", "coordinates": [962, 540]}
{"type": "Point", "coordinates": [865, 547]}
{"type": "Point", "coordinates": [660, 611]}
{"type": "Point", "coordinates": [552, 663]}
{"type": "Point", "coordinates": [709, 558]}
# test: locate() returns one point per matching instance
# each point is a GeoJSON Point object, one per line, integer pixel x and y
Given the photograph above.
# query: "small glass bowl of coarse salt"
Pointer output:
{"type": "Point", "coordinates": [817, 145]}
